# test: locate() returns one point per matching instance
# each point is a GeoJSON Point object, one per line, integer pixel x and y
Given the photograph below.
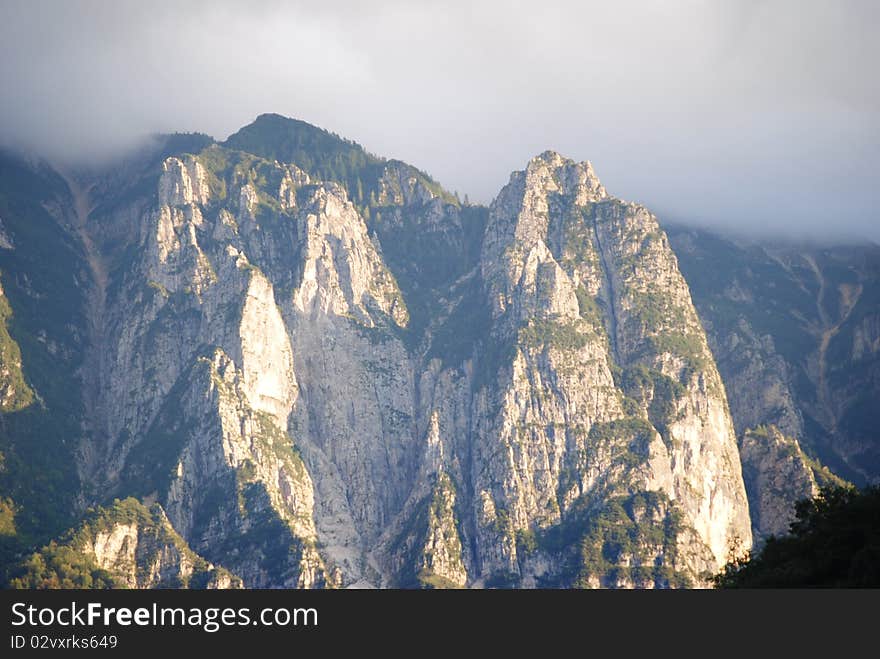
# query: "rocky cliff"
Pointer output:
{"type": "Point", "coordinates": [583, 288]}
{"type": "Point", "coordinates": [324, 371]}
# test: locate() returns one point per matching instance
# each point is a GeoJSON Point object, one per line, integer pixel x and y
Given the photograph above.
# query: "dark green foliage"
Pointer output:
{"type": "Point", "coordinates": [526, 541]}
{"type": "Point", "coordinates": [655, 311]}
{"type": "Point", "coordinates": [228, 171]}
{"type": "Point", "coordinates": [322, 154]}
{"type": "Point", "coordinates": [326, 156]}
{"type": "Point", "coordinates": [61, 566]}
{"type": "Point", "coordinates": [834, 542]}
{"type": "Point", "coordinates": [628, 438]}
{"type": "Point", "coordinates": [219, 164]}
{"type": "Point", "coordinates": [274, 137]}
{"type": "Point", "coordinates": [559, 334]}
{"type": "Point", "coordinates": [7, 513]}
{"type": "Point", "coordinates": [501, 525]}
{"type": "Point", "coordinates": [688, 347]}
{"type": "Point", "coordinates": [599, 533]}
{"type": "Point", "coordinates": [278, 443]}
{"type": "Point", "coordinates": [654, 390]}
{"type": "Point", "coordinates": [590, 308]}
{"type": "Point", "coordinates": [179, 143]}
{"type": "Point", "coordinates": [410, 544]}
{"type": "Point", "coordinates": [10, 542]}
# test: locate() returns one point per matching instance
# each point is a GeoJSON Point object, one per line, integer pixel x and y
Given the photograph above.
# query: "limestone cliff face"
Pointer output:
{"type": "Point", "coordinates": [606, 387]}
{"type": "Point", "coordinates": [264, 384]}
{"type": "Point", "coordinates": [331, 372]}
{"type": "Point", "coordinates": [760, 382]}
{"type": "Point", "coordinates": [247, 318]}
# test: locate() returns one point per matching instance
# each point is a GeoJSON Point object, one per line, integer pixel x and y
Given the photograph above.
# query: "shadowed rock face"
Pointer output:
{"type": "Point", "coordinates": [332, 373]}
{"type": "Point", "coordinates": [794, 332]}
{"type": "Point", "coordinates": [777, 475]}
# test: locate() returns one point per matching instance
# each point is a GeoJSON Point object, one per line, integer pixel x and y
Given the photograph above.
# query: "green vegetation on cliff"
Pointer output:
{"type": "Point", "coordinates": [71, 561]}
{"type": "Point", "coordinates": [435, 518]}
{"type": "Point", "coordinates": [322, 154]}
{"type": "Point", "coordinates": [14, 391]}
{"type": "Point", "coordinates": [620, 540]}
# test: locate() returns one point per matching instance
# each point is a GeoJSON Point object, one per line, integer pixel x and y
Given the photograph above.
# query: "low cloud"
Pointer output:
{"type": "Point", "coordinates": [751, 115]}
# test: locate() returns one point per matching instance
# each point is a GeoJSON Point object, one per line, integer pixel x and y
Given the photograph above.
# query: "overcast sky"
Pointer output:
{"type": "Point", "coordinates": [763, 115]}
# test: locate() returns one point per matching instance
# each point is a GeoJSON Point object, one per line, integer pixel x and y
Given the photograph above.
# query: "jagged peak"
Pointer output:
{"type": "Point", "coordinates": [552, 172]}
{"type": "Point", "coordinates": [556, 161]}
{"type": "Point", "coordinates": [550, 157]}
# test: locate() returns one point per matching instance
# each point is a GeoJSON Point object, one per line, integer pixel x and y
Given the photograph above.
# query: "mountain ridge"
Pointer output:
{"type": "Point", "coordinates": [350, 385]}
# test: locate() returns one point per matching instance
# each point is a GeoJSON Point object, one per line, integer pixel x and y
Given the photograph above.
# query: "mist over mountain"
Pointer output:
{"type": "Point", "coordinates": [755, 116]}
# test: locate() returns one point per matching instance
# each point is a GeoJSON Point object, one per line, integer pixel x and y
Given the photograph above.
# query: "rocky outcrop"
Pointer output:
{"type": "Point", "coordinates": [230, 381]}
{"type": "Point", "coordinates": [125, 545]}
{"type": "Point", "coordinates": [777, 476]}
{"type": "Point", "coordinates": [5, 240]}
{"type": "Point", "coordinates": [584, 289]}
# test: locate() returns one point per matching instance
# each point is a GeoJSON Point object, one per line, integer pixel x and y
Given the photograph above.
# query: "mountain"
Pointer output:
{"type": "Point", "coordinates": [281, 361]}
{"type": "Point", "coordinates": [795, 331]}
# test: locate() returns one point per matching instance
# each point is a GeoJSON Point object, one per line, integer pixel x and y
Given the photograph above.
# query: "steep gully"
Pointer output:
{"type": "Point", "coordinates": [93, 364]}
{"type": "Point", "coordinates": [826, 330]}
{"type": "Point", "coordinates": [609, 288]}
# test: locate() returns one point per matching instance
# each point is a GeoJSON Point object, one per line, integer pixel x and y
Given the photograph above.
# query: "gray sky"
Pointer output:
{"type": "Point", "coordinates": [758, 115]}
